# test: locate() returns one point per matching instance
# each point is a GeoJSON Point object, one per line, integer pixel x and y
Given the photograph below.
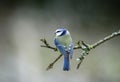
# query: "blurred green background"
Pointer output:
{"type": "Point", "coordinates": [24, 22]}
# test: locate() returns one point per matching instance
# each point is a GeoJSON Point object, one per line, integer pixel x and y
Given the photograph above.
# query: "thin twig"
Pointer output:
{"type": "Point", "coordinates": [81, 60]}
{"type": "Point", "coordinates": [46, 45]}
{"type": "Point", "coordinates": [86, 48]}
{"type": "Point", "coordinates": [105, 39]}
{"type": "Point", "coordinates": [51, 64]}
{"type": "Point", "coordinates": [78, 45]}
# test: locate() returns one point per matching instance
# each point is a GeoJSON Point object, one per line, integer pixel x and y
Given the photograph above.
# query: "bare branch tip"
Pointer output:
{"type": "Point", "coordinates": [50, 66]}
{"type": "Point", "coordinates": [78, 66]}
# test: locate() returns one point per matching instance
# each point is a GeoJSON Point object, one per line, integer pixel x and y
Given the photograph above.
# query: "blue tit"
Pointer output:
{"type": "Point", "coordinates": [64, 44]}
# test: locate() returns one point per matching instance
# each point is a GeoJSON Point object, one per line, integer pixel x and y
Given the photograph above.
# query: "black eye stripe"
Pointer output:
{"type": "Point", "coordinates": [63, 33]}
{"type": "Point", "coordinates": [58, 31]}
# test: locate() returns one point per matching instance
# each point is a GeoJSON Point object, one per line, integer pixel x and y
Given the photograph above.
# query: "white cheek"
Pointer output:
{"type": "Point", "coordinates": [58, 34]}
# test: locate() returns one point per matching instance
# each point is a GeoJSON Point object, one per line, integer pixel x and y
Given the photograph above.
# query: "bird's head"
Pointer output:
{"type": "Point", "coordinates": [61, 32]}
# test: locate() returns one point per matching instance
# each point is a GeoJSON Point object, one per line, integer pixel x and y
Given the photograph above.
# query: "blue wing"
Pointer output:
{"type": "Point", "coordinates": [61, 47]}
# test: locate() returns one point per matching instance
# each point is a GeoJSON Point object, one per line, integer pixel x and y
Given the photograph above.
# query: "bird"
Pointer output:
{"type": "Point", "coordinates": [65, 46]}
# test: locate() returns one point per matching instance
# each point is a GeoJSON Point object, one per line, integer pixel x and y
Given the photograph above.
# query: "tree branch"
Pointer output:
{"type": "Point", "coordinates": [46, 45]}
{"type": "Point", "coordinates": [105, 39]}
{"type": "Point", "coordinates": [51, 64]}
{"type": "Point", "coordinates": [87, 48]}
{"type": "Point", "coordinates": [80, 45]}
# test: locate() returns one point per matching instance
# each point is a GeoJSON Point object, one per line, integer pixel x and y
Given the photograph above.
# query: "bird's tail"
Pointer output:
{"type": "Point", "coordinates": [66, 66]}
